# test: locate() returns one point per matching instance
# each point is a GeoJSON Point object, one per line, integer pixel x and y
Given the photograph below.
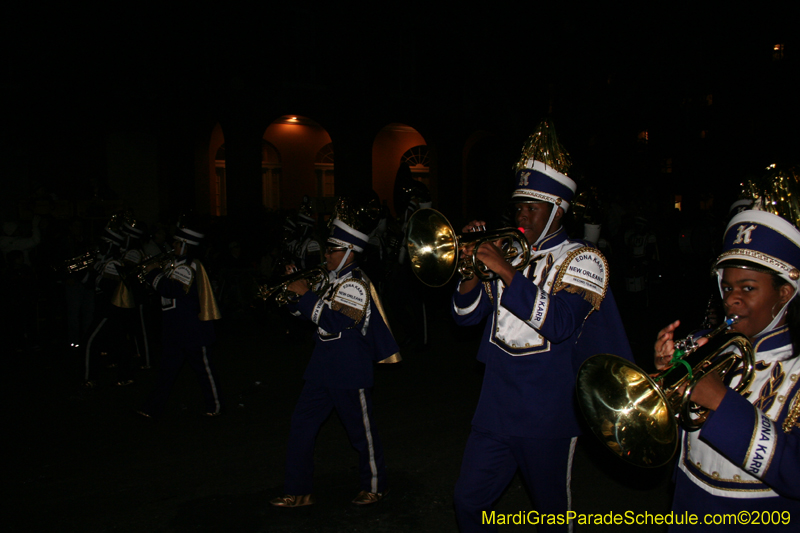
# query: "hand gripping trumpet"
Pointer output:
{"type": "Point", "coordinates": [433, 247]}
{"type": "Point", "coordinates": [317, 278]}
{"type": "Point", "coordinates": [636, 415]}
{"type": "Point", "coordinates": [139, 271]}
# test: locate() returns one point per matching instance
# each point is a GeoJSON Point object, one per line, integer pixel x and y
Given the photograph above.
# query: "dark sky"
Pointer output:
{"type": "Point", "coordinates": [69, 70]}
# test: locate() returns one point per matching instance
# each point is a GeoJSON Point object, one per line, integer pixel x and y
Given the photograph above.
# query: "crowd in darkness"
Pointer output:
{"type": "Point", "coordinates": [649, 247]}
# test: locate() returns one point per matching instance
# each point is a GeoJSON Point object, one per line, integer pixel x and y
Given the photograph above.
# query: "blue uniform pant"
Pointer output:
{"type": "Point", "coordinates": [354, 407]}
{"type": "Point", "coordinates": [172, 360]}
{"type": "Point", "coordinates": [490, 462]}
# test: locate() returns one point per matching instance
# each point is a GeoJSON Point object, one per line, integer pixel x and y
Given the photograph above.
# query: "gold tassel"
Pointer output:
{"type": "Point", "coordinates": [591, 297]}
{"type": "Point", "coordinates": [793, 415]}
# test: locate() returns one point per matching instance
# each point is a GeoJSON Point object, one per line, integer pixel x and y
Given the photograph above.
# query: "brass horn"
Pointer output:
{"type": "Point", "coordinates": [317, 277]}
{"type": "Point", "coordinates": [636, 415]}
{"type": "Point", "coordinates": [81, 262]}
{"type": "Point", "coordinates": [433, 247]}
{"type": "Point", "coordinates": [138, 271]}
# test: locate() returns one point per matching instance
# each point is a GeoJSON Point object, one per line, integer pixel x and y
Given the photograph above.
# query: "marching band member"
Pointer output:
{"type": "Point", "coordinates": [746, 456]}
{"type": "Point", "coordinates": [351, 336]}
{"type": "Point", "coordinates": [541, 323]}
{"type": "Point", "coordinates": [188, 311]}
{"type": "Point", "coordinates": [131, 298]}
{"type": "Point", "coordinates": [104, 279]}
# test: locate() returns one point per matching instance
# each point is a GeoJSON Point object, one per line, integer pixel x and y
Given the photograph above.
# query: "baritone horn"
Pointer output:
{"type": "Point", "coordinates": [317, 277]}
{"type": "Point", "coordinates": [636, 415]}
{"type": "Point", "coordinates": [433, 247]}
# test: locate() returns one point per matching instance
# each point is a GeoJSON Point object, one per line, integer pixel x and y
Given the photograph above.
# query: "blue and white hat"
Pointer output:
{"type": "Point", "coordinates": [188, 236]}
{"type": "Point", "coordinates": [305, 220]}
{"type": "Point", "coordinates": [763, 240]}
{"type": "Point", "coordinates": [541, 170]}
{"type": "Point", "coordinates": [347, 237]}
{"type": "Point", "coordinates": [131, 229]}
{"type": "Point", "coordinates": [541, 183]}
{"type": "Point", "coordinates": [111, 236]}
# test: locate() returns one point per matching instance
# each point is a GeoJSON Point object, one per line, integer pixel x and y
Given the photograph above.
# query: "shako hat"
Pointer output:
{"type": "Point", "coordinates": [185, 233]}
{"type": "Point", "coordinates": [347, 236]}
{"type": "Point", "coordinates": [540, 172]}
{"type": "Point", "coordinates": [766, 237]}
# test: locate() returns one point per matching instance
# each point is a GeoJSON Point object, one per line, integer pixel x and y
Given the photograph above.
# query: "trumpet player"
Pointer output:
{"type": "Point", "coordinates": [108, 323]}
{"type": "Point", "coordinates": [541, 322]}
{"type": "Point", "coordinates": [746, 456]}
{"type": "Point", "coordinates": [188, 311]}
{"type": "Point", "coordinates": [351, 335]}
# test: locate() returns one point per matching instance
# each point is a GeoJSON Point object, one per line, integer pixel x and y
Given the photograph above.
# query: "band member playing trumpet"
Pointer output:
{"type": "Point", "coordinates": [188, 311]}
{"type": "Point", "coordinates": [540, 324]}
{"type": "Point", "coordinates": [351, 335]}
{"type": "Point", "coordinates": [746, 456]}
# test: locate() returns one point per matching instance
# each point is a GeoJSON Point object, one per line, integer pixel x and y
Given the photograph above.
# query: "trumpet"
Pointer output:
{"type": "Point", "coordinates": [81, 262]}
{"type": "Point", "coordinates": [433, 248]}
{"type": "Point", "coordinates": [139, 271]}
{"type": "Point", "coordinates": [636, 415]}
{"type": "Point", "coordinates": [317, 277]}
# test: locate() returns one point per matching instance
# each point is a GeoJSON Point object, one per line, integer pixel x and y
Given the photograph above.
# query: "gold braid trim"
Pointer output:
{"type": "Point", "coordinates": [351, 312]}
{"type": "Point", "coordinates": [591, 297]}
{"type": "Point", "coordinates": [487, 285]}
{"type": "Point", "coordinates": [794, 414]}
{"type": "Point", "coordinates": [774, 262]}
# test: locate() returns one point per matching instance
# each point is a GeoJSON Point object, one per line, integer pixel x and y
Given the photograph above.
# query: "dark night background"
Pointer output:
{"type": "Point", "coordinates": [92, 91]}
{"type": "Point", "coordinates": [75, 76]}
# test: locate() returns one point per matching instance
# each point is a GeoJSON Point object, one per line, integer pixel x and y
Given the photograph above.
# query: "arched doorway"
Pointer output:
{"type": "Point", "coordinates": [305, 155]}
{"type": "Point", "coordinates": [395, 144]}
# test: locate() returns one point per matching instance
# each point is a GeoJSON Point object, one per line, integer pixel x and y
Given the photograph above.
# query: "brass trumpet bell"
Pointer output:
{"type": "Point", "coordinates": [317, 278]}
{"type": "Point", "coordinates": [433, 248]}
{"type": "Point", "coordinates": [636, 415]}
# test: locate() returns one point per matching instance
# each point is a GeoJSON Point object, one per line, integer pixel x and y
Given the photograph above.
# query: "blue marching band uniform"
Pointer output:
{"type": "Point", "coordinates": [133, 255]}
{"type": "Point", "coordinates": [351, 336]}
{"type": "Point", "coordinates": [557, 312]}
{"type": "Point", "coordinates": [188, 311]}
{"type": "Point", "coordinates": [104, 279]}
{"type": "Point", "coordinates": [120, 326]}
{"type": "Point", "coordinates": [746, 456]}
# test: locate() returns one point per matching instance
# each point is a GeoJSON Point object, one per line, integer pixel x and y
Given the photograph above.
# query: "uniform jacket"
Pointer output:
{"type": "Point", "coordinates": [554, 315]}
{"type": "Point", "coordinates": [351, 333]}
{"type": "Point", "coordinates": [187, 319]}
{"type": "Point", "coordinates": [748, 450]}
